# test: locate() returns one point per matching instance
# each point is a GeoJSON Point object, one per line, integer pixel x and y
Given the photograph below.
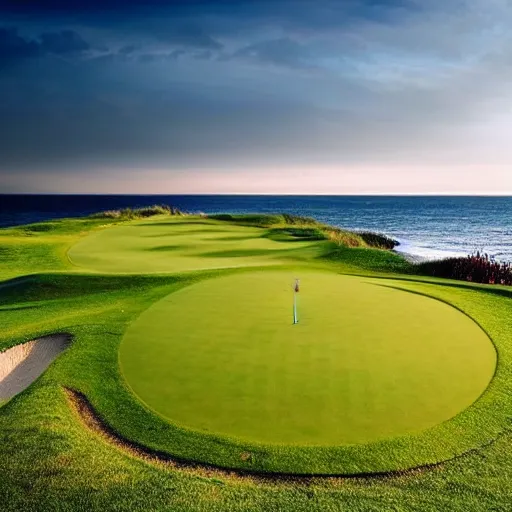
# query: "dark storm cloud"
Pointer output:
{"type": "Point", "coordinates": [223, 6]}
{"type": "Point", "coordinates": [172, 22]}
{"type": "Point", "coordinates": [187, 34]}
{"type": "Point", "coordinates": [128, 49]}
{"type": "Point", "coordinates": [281, 52]}
{"type": "Point", "coordinates": [14, 47]}
{"type": "Point", "coordinates": [63, 43]}
{"type": "Point", "coordinates": [204, 24]}
{"type": "Point", "coordinates": [225, 14]}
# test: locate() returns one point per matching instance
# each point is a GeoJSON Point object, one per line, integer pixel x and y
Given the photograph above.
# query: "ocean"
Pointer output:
{"type": "Point", "coordinates": [426, 226]}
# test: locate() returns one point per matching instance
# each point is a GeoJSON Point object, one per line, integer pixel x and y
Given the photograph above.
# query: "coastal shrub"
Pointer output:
{"type": "Point", "coordinates": [379, 241]}
{"type": "Point", "coordinates": [476, 268]}
{"type": "Point", "coordinates": [149, 211]}
{"type": "Point", "coordinates": [138, 213]}
{"type": "Point", "coordinates": [298, 220]}
{"type": "Point", "coordinates": [342, 237]}
{"type": "Point", "coordinates": [222, 216]}
{"type": "Point", "coordinates": [42, 227]}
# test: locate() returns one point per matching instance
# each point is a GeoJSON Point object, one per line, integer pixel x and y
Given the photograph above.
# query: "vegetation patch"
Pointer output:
{"type": "Point", "coordinates": [138, 213]}
{"type": "Point", "coordinates": [379, 241]}
{"type": "Point", "coordinates": [286, 227]}
{"type": "Point", "coordinates": [41, 227]}
{"type": "Point", "coordinates": [476, 268]}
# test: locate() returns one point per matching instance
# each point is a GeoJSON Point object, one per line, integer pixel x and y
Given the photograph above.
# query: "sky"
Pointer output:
{"type": "Point", "coordinates": [256, 96]}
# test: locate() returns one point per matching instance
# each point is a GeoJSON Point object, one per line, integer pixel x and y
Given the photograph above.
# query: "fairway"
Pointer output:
{"type": "Point", "coordinates": [365, 362]}
{"type": "Point", "coordinates": [175, 245]}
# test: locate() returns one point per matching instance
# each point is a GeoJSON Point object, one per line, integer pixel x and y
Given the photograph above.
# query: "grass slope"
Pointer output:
{"type": "Point", "coordinates": [50, 461]}
{"type": "Point", "coordinates": [176, 245]}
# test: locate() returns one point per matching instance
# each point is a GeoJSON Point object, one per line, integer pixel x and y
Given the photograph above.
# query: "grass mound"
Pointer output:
{"type": "Point", "coordinates": [265, 220]}
{"type": "Point", "coordinates": [307, 227]}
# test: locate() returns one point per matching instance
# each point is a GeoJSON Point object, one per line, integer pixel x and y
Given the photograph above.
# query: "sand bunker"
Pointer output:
{"type": "Point", "coordinates": [23, 364]}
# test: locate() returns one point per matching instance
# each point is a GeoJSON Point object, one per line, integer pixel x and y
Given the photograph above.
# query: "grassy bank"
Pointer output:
{"type": "Point", "coordinates": [295, 226]}
{"type": "Point", "coordinates": [54, 278]}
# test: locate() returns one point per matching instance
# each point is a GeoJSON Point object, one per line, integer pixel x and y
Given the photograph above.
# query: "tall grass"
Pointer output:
{"type": "Point", "coordinates": [265, 220]}
{"type": "Point", "coordinates": [342, 237]}
{"type": "Point", "coordinates": [138, 213]}
{"type": "Point", "coordinates": [378, 240]}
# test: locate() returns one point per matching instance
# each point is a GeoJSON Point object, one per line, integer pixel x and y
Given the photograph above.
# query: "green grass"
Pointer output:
{"type": "Point", "coordinates": [223, 357]}
{"type": "Point", "coordinates": [168, 245]}
{"type": "Point", "coordinates": [42, 247]}
{"type": "Point", "coordinates": [50, 461]}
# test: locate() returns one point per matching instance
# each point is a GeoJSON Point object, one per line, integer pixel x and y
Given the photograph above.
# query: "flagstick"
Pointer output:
{"type": "Point", "coordinates": [295, 292]}
{"type": "Point", "coordinates": [295, 308]}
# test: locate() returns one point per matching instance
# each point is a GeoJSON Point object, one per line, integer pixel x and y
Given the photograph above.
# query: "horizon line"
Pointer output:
{"type": "Point", "coordinates": [270, 194]}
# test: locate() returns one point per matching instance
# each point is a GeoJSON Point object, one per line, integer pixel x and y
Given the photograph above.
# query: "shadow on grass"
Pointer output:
{"type": "Point", "coordinates": [91, 420]}
{"type": "Point", "coordinates": [489, 289]}
{"type": "Point", "coordinates": [177, 223]}
{"type": "Point", "coordinates": [207, 230]}
{"type": "Point", "coordinates": [233, 238]}
{"type": "Point", "coordinates": [295, 234]}
{"type": "Point", "coordinates": [164, 235]}
{"type": "Point", "coordinates": [166, 248]}
{"type": "Point", "coordinates": [17, 307]}
{"type": "Point", "coordinates": [188, 232]}
{"type": "Point", "coordinates": [240, 253]}
{"type": "Point", "coordinates": [41, 287]}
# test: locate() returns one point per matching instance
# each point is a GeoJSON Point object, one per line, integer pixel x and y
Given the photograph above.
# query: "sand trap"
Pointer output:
{"type": "Point", "coordinates": [23, 364]}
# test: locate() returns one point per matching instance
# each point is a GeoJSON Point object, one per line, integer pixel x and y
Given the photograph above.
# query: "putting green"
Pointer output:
{"type": "Point", "coordinates": [365, 362]}
{"type": "Point", "coordinates": [176, 245]}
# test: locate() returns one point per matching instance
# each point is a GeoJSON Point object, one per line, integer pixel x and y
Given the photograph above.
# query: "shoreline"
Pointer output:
{"type": "Point", "coordinates": [412, 258]}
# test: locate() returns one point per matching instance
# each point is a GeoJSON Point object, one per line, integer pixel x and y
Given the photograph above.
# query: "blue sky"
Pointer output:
{"type": "Point", "coordinates": [403, 96]}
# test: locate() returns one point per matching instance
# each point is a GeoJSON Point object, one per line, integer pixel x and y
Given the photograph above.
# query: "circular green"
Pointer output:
{"type": "Point", "coordinates": [365, 362]}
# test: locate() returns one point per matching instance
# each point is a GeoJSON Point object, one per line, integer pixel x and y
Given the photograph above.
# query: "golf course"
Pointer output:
{"type": "Point", "coordinates": [168, 362]}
